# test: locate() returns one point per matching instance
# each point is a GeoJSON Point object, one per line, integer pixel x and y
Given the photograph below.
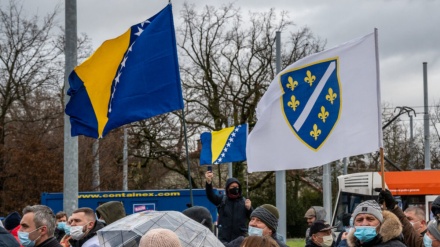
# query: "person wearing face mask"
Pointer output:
{"type": "Point", "coordinates": [60, 220]}
{"type": "Point", "coordinates": [432, 235]}
{"type": "Point", "coordinates": [83, 228]}
{"type": "Point", "coordinates": [320, 235]}
{"type": "Point", "coordinates": [416, 217]}
{"type": "Point", "coordinates": [373, 227]}
{"type": "Point", "coordinates": [233, 209]}
{"type": "Point", "coordinates": [264, 222]}
{"type": "Point", "coordinates": [411, 236]}
{"type": "Point", "coordinates": [37, 227]}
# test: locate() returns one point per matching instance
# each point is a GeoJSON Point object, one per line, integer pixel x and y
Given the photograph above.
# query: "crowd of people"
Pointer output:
{"type": "Point", "coordinates": [372, 223]}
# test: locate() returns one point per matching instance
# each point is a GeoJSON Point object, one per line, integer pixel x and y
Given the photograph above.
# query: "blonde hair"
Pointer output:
{"type": "Point", "coordinates": [259, 241]}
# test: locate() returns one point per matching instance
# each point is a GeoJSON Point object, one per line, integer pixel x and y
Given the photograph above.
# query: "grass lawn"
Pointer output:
{"type": "Point", "coordinates": [296, 242]}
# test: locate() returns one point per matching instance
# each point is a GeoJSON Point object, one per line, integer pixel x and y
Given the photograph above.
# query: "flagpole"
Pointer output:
{"type": "Point", "coordinates": [280, 176]}
{"type": "Point", "coordinates": [382, 164]}
{"type": "Point", "coordinates": [187, 158]}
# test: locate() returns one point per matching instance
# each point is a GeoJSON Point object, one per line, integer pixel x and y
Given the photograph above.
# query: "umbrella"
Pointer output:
{"type": "Point", "coordinates": [128, 231]}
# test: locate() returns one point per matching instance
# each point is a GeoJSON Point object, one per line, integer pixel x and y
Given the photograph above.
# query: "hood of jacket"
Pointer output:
{"type": "Point", "coordinates": [111, 211]}
{"type": "Point", "coordinates": [229, 182]}
{"type": "Point", "coordinates": [319, 213]}
{"type": "Point", "coordinates": [390, 228]}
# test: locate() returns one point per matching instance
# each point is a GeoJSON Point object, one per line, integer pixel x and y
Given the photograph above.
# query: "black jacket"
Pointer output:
{"type": "Point", "coordinates": [50, 242]}
{"type": "Point", "coordinates": [233, 217]}
{"type": "Point", "coordinates": [6, 239]}
{"type": "Point", "coordinates": [78, 243]}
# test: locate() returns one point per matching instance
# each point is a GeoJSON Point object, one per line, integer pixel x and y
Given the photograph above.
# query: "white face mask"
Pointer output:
{"type": "Point", "coordinates": [327, 241]}
{"type": "Point", "coordinates": [77, 232]}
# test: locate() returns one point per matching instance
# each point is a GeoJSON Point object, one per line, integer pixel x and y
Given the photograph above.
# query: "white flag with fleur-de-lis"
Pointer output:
{"type": "Point", "coordinates": [319, 109]}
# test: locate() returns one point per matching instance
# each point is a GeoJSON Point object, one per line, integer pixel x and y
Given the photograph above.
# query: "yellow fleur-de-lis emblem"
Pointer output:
{"type": "Point", "coordinates": [315, 132]}
{"type": "Point", "coordinates": [292, 84]}
{"type": "Point", "coordinates": [309, 78]}
{"type": "Point", "coordinates": [331, 96]}
{"type": "Point", "coordinates": [293, 103]}
{"type": "Point", "coordinates": [323, 114]}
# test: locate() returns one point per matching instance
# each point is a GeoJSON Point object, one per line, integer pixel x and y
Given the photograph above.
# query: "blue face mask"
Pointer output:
{"type": "Point", "coordinates": [24, 238]}
{"type": "Point", "coordinates": [427, 241]}
{"type": "Point", "coordinates": [365, 233]}
{"type": "Point", "coordinates": [63, 227]}
{"type": "Point", "coordinates": [253, 231]}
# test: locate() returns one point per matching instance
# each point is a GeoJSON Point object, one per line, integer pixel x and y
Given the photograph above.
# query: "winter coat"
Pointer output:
{"type": "Point", "coordinates": [59, 234]}
{"type": "Point", "coordinates": [237, 242]}
{"type": "Point", "coordinates": [6, 239]}
{"type": "Point", "coordinates": [83, 242]}
{"type": "Point", "coordinates": [389, 234]}
{"type": "Point", "coordinates": [410, 236]}
{"type": "Point", "coordinates": [111, 211]}
{"type": "Point", "coordinates": [233, 217]}
{"type": "Point", "coordinates": [319, 215]}
{"type": "Point", "coordinates": [50, 242]}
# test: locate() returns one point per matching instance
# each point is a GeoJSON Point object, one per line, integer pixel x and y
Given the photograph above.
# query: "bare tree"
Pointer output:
{"type": "Point", "coordinates": [26, 69]}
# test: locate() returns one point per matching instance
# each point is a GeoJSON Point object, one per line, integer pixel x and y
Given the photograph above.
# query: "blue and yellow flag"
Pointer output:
{"type": "Point", "coordinates": [132, 77]}
{"type": "Point", "coordinates": [226, 145]}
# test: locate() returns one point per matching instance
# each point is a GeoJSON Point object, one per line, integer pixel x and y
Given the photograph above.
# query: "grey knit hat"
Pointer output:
{"type": "Point", "coordinates": [268, 214]}
{"type": "Point", "coordinates": [369, 207]}
{"type": "Point", "coordinates": [160, 237]}
{"type": "Point", "coordinates": [433, 228]}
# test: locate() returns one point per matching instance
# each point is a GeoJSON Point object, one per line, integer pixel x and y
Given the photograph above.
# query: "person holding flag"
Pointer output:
{"type": "Point", "coordinates": [234, 210]}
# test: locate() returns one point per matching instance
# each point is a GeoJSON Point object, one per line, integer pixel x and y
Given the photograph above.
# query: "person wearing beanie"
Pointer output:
{"type": "Point", "coordinates": [233, 209]}
{"type": "Point", "coordinates": [373, 227]}
{"type": "Point", "coordinates": [199, 214]}
{"type": "Point", "coordinates": [160, 237]}
{"type": "Point", "coordinates": [110, 212]}
{"type": "Point", "coordinates": [432, 236]}
{"type": "Point", "coordinates": [312, 214]}
{"type": "Point", "coordinates": [12, 223]}
{"type": "Point", "coordinates": [264, 222]}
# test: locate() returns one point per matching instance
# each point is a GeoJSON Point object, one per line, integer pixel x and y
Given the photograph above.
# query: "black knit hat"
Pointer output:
{"type": "Point", "coordinates": [268, 214]}
{"type": "Point", "coordinates": [12, 221]}
{"type": "Point", "coordinates": [199, 214]}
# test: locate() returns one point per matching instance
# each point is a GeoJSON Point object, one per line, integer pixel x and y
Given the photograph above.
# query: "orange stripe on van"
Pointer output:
{"type": "Point", "coordinates": [422, 182]}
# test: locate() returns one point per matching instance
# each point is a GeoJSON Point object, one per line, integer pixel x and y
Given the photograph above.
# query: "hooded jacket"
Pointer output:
{"type": "Point", "coordinates": [389, 234]}
{"type": "Point", "coordinates": [82, 242]}
{"type": "Point", "coordinates": [111, 211]}
{"type": "Point", "coordinates": [233, 217]}
{"type": "Point", "coordinates": [319, 215]}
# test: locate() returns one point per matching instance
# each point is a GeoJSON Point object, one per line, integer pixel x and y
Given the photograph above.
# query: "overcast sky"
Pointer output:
{"type": "Point", "coordinates": [409, 31]}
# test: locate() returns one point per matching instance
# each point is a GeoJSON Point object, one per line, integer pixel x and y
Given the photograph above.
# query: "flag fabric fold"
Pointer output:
{"type": "Point", "coordinates": [319, 109]}
{"type": "Point", "coordinates": [129, 78]}
{"type": "Point", "coordinates": [223, 146]}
